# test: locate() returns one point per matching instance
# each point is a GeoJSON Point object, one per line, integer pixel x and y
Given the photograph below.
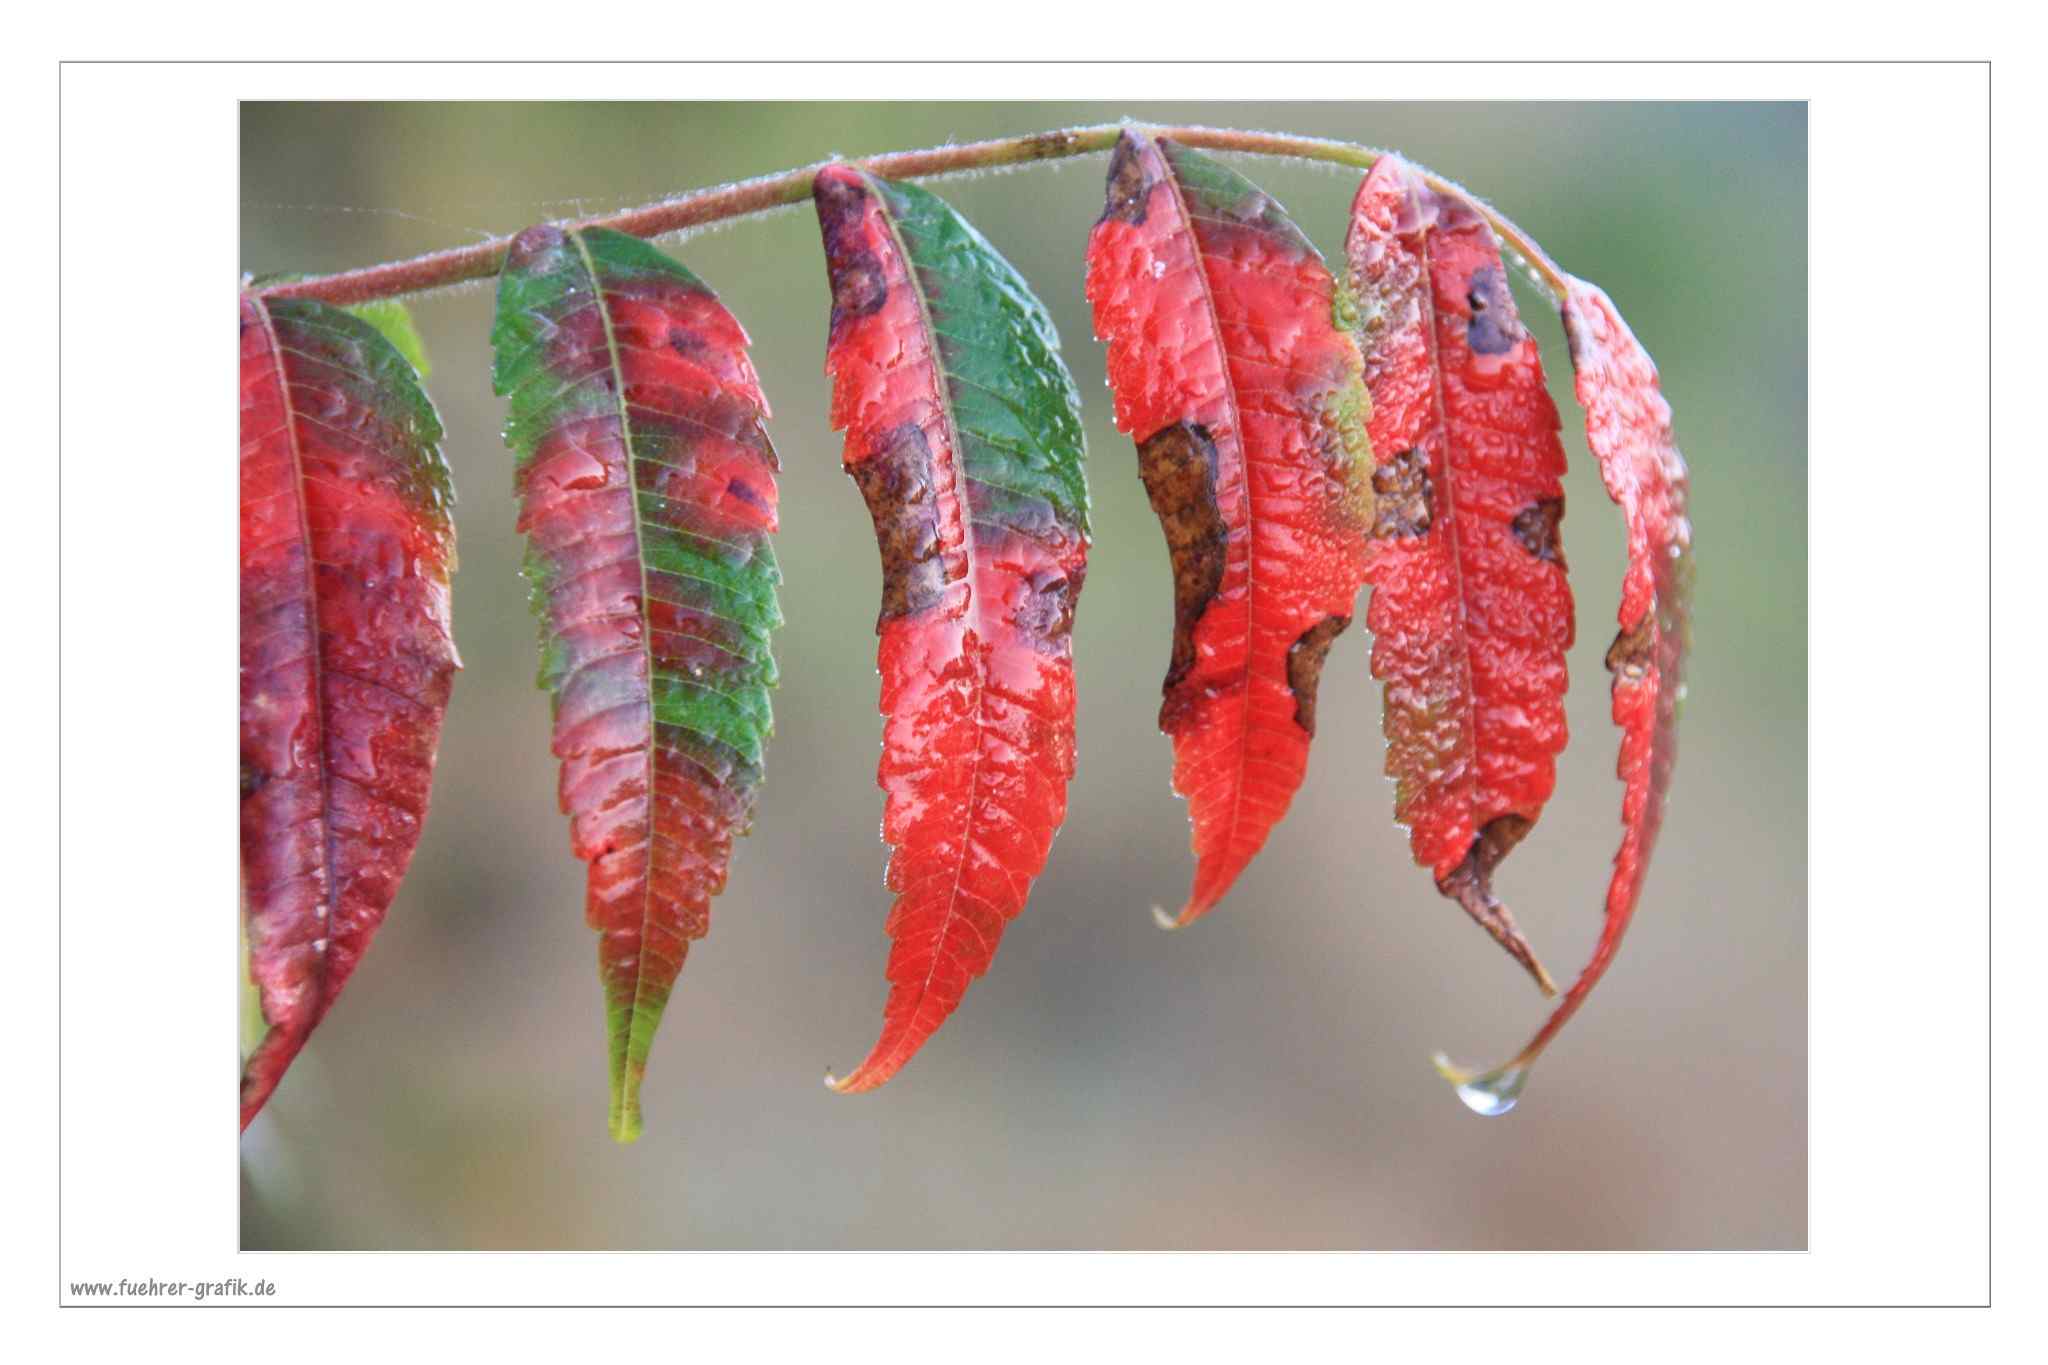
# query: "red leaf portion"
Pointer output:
{"type": "Point", "coordinates": [346, 653]}
{"type": "Point", "coordinates": [1471, 615]}
{"type": "Point", "coordinates": [1628, 427]}
{"type": "Point", "coordinates": [1243, 396]}
{"type": "Point", "coordinates": [979, 577]}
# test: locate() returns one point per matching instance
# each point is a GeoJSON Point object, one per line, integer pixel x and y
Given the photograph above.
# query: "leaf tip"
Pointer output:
{"type": "Point", "coordinates": [1167, 921]}
{"type": "Point", "coordinates": [853, 1083]}
{"type": "Point", "coordinates": [1470, 884]}
{"type": "Point", "coordinates": [625, 1123]}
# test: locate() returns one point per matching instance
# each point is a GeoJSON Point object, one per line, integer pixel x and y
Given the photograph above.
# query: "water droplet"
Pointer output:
{"type": "Point", "coordinates": [1494, 1093]}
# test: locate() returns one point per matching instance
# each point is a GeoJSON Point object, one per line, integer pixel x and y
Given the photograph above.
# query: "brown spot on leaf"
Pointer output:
{"type": "Point", "coordinates": [1629, 657]}
{"type": "Point", "coordinates": [1178, 465]}
{"type": "Point", "coordinates": [859, 286]}
{"type": "Point", "coordinates": [1305, 667]}
{"type": "Point", "coordinates": [896, 481]}
{"type": "Point", "coordinates": [1535, 526]}
{"type": "Point", "coordinates": [1494, 327]}
{"type": "Point", "coordinates": [1404, 498]}
{"type": "Point", "coordinates": [1574, 342]}
{"type": "Point", "coordinates": [1470, 884]}
{"type": "Point", "coordinates": [1133, 171]}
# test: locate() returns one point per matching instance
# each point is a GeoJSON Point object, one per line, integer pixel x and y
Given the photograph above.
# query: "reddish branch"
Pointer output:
{"type": "Point", "coordinates": [481, 260]}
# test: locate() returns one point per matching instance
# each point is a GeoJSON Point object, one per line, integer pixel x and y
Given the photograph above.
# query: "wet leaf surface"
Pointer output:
{"type": "Point", "coordinates": [647, 495]}
{"type": "Point", "coordinates": [1244, 398]}
{"type": "Point", "coordinates": [347, 655]}
{"type": "Point", "coordinates": [963, 434]}
{"type": "Point", "coordinates": [1471, 615]}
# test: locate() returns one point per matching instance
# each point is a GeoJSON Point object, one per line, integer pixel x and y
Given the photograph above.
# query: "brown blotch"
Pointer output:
{"type": "Point", "coordinates": [1535, 526]}
{"type": "Point", "coordinates": [859, 284]}
{"type": "Point", "coordinates": [1470, 884]}
{"type": "Point", "coordinates": [1305, 667]}
{"type": "Point", "coordinates": [896, 481]}
{"type": "Point", "coordinates": [1494, 328]}
{"type": "Point", "coordinates": [1046, 615]}
{"type": "Point", "coordinates": [254, 779]}
{"type": "Point", "coordinates": [1628, 658]}
{"type": "Point", "coordinates": [1178, 465]}
{"type": "Point", "coordinates": [1130, 181]}
{"type": "Point", "coordinates": [1404, 498]}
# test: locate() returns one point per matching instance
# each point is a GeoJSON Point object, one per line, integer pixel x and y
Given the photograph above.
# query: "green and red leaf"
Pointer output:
{"type": "Point", "coordinates": [1628, 429]}
{"type": "Point", "coordinates": [1471, 614]}
{"type": "Point", "coordinates": [647, 495]}
{"type": "Point", "coordinates": [1243, 394]}
{"type": "Point", "coordinates": [347, 655]}
{"type": "Point", "coordinates": [963, 432]}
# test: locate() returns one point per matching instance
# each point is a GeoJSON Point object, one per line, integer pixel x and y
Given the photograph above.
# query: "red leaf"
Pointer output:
{"type": "Point", "coordinates": [346, 652]}
{"type": "Point", "coordinates": [963, 433]}
{"type": "Point", "coordinates": [1628, 427]}
{"type": "Point", "coordinates": [1244, 398]}
{"type": "Point", "coordinates": [1470, 614]}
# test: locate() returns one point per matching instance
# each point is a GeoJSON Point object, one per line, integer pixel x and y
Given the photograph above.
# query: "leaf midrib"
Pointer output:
{"type": "Point", "coordinates": [943, 390]}
{"type": "Point", "coordinates": [1440, 412]}
{"type": "Point", "coordinates": [328, 887]}
{"type": "Point", "coordinates": [1251, 538]}
{"type": "Point", "coordinates": [626, 1094]}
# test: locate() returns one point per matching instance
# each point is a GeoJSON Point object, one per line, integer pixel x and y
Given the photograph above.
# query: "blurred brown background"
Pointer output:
{"type": "Point", "coordinates": [1260, 1081]}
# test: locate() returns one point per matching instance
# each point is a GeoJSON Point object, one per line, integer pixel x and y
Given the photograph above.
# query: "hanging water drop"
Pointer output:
{"type": "Point", "coordinates": [1490, 1093]}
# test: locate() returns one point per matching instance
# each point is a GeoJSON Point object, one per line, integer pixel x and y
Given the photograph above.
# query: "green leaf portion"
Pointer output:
{"type": "Point", "coordinates": [354, 364]}
{"type": "Point", "coordinates": [648, 498]}
{"type": "Point", "coordinates": [1015, 406]}
{"type": "Point", "coordinates": [1216, 192]}
{"type": "Point", "coordinates": [394, 320]}
{"type": "Point", "coordinates": [732, 581]}
{"type": "Point", "coordinates": [252, 1023]}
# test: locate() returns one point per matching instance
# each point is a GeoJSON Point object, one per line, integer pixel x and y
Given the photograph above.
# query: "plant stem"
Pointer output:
{"type": "Point", "coordinates": [439, 269]}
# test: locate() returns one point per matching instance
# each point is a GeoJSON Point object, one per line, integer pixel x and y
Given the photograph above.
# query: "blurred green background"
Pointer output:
{"type": "Point", "coordinates": [1260, 1081]}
